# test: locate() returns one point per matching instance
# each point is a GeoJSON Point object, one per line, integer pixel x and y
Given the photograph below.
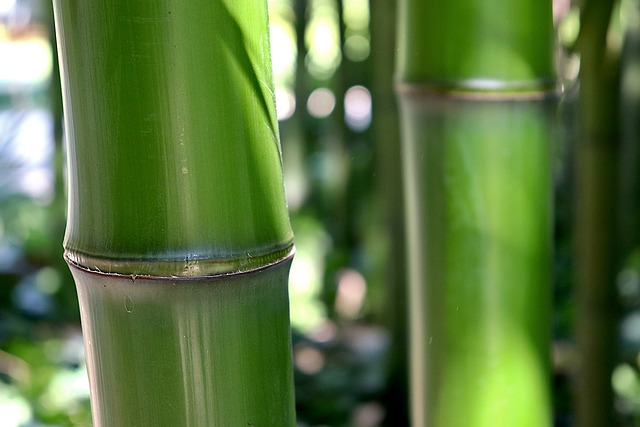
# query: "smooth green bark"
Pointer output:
{"type": "Point", "coordinates": [173, 141]}
{"type": "Point", "coordinates": [478, 189]}
{"type": "Point", "coordinates": [188, 352]}
{"type": "Point", "coordinates": [476, 87]}
{"type": "Point", "coordinates": [483, 45]}
{"type": "Point", "coordinates": [177, 232]}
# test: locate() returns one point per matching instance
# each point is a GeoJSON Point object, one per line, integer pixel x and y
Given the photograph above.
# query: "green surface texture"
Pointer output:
{"type": "Point", "coordinates": [209, 352]}
{"type": "Point", "coordinates": [479, 218]}
{"type": "Point", "coordinates": [476, 85]}
{"type": "Point", "coordinates": [479, 45]}
{"type": "Point", "coordinates": [173, 147]}
{"type": "Point", "coordinates": [178, 234]}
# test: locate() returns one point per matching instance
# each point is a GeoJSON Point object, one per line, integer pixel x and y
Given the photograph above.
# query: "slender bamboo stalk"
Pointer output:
{"type": "Point", "coordinates": [595, 226]}
{"type": "Point", "coordinates": [177, 232]}
{"type": "Point", "coordinates": [475, 81]}
{"type": "Point", "coordinates": [629, 167]}
{"type": "Point", "coordinates": [388, 167]}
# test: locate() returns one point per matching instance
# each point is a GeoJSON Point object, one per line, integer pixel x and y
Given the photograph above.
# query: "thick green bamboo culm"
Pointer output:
{"type": "Point", "coordinates": [476, 45]}
{"type": "Point", "coordinates": [476, 86]}
{"type": "Point", "coordinates": [175, 99]}
{"type": "Point", "coordinates": [477, 177]}
{"type": "Point", "coordinates": [177, 234]}
{"type": "Point", "coordinates": [199, 352]}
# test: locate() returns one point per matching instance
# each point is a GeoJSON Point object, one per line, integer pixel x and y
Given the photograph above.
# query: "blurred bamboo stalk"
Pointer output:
{"type": "Point", "coordinates": [595, 219]}
{"type": "Point", "coordinates": [476, 89]}
{"type": "Point", "coordinates": [386, 135]}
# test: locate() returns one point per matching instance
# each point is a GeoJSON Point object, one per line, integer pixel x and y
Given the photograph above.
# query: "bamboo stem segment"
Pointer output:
{"type": "Point", "coordinates": [476, 88]}
{"type": "Point", "coordinates": [212, 351]}
{"type": "Point", "coordinates": [478, 188]}
{"type": "Point", "coordinates": [177, 235]}
{"type": "Point", "coordinates": [476, 45]}
{"type": "Point", "coordinates": [173, 140]}
{"type": "Point", "coordinates": [596, 199]}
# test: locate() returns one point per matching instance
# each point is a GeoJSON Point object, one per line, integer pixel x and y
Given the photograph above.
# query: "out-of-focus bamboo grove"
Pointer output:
{"type": "Point", "coordinates": [333, 64]}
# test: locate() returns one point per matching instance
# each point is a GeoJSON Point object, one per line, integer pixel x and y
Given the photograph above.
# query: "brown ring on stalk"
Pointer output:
{"type": "Point", "coordinates": [482, 90]}
{"type": "Point", "coordinates": [208, 268]}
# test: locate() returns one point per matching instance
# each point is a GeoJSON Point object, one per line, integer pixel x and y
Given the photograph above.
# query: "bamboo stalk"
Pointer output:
{"type": "Point", "coordinates": [194, 352]}
{"type": "Point", "coordinates": [475, 87]}
{"type": "Point", "coordinates": [596, 230]}
{"type": "Point", "coordinates": [388, 169]}
{"type": "Point", "coordinates": [177, 234]}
